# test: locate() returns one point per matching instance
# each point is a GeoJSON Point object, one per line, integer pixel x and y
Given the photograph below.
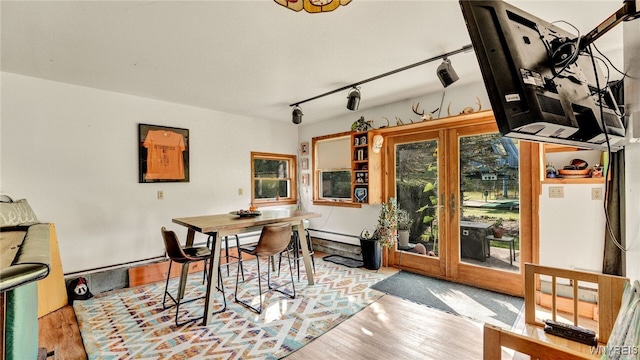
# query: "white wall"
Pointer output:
{"type": "Point", "coordinates": [631, 33]}
{"type": "Point", "coordinates": [72, 152]}
{"type": "Point", "coordinates": [572, 228]}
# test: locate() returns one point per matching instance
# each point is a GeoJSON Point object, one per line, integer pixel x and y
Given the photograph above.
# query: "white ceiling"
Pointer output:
{"type": "Point", "coordinates": [253, 57]}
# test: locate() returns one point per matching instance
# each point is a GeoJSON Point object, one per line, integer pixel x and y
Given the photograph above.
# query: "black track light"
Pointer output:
{"type": "Point", "coordinates": [353, 99]}
{"type": "Point", "coordinates": [296, 115]}
{"type": "Point", "coordinates": [446, 74]}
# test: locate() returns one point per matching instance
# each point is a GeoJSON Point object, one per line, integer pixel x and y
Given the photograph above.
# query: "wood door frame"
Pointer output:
{"type": "Point", "coordinates": [451, 268]}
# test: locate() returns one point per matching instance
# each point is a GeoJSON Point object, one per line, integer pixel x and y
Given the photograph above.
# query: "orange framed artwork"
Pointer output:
{"type": "Point", "coordinates": [163, 154]}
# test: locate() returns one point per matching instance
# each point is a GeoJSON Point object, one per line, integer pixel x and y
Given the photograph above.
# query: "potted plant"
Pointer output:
{"type": "Point", "coordinates": [384, 237]}
{"type": "Point", "coordinates": [404, 223]}
{"type": "Point", "coordinates": [497, 228]}
{"type": "Point", "coordinates": [370, 249]}
{"type": "Point", "coordinates": [387, 229]}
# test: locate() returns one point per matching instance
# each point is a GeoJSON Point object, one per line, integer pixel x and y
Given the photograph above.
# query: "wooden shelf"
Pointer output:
{"type": "Point", "coordinates": [550, 151]}
{"type": "Point", "coordinates": [365, 170]}
{"type": "Point", "coordinates": [599, 180]}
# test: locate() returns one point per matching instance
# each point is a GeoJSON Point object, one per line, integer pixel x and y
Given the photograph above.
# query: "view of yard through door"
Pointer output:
{"type": "Point", "coordinates": [489, 194]}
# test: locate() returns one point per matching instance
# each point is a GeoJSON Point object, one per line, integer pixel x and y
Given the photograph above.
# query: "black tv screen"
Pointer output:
{"type": "Point", "coordinates": [541, 84]}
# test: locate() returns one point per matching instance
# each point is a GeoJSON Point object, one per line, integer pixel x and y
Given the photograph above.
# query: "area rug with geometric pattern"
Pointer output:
{"type": "Point", "coordinates": [131, 324]}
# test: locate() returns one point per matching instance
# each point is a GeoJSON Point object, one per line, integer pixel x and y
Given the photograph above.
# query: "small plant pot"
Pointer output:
{"type": "Point", "coordinates": [498, 232]}
{"type": "Point", "coordinates": [403, 239]}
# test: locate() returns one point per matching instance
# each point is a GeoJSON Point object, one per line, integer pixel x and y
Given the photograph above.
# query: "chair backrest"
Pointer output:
{"type": "Point", "coordinates": [274, 239]}
{"type": "Point", "coordinates": [173, 247]}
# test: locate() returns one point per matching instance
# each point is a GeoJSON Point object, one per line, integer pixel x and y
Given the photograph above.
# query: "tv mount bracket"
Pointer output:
{"type": "Point", "coordinates": [629, 11]}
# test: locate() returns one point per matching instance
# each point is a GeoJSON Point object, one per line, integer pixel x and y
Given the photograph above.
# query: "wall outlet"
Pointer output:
{"type": "Point", "coordinates": [160, 194]}
{"type": "Point", "coordinates": [556, 191]}
{"type": "Point", "coordinates": [596, 194]}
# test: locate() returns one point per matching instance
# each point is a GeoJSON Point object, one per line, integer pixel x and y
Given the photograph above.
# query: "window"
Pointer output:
{"type": "Point", "coordinates": [273, 179]}
{"type": "Point", "coordinates": [332, 169]}
{"type": "Point", "coordinates": [335, 184]}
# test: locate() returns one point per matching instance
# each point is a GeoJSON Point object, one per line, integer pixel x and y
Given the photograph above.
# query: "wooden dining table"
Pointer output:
{"type": "Point", "coordinates": [221, 225]}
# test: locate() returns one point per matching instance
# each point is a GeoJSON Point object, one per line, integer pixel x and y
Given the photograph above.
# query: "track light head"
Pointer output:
{"type": "Point", "coordinates": [296, 115]}
{"type": "Point", "coordinates": [446, 74]}
{"type": "Point", "coordinates": [353, 99]}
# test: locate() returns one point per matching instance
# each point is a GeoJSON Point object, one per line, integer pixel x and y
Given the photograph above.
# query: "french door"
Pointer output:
{"type": "Point", "coordinates": [455, 181]}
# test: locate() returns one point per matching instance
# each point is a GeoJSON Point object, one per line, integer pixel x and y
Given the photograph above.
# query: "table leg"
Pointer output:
{"type": "Point", "coordinates": [214, 263]}
{"type": "Point", "coordinates": [185, 267]}
{"type": "Point", "coordinates": [305, 253]}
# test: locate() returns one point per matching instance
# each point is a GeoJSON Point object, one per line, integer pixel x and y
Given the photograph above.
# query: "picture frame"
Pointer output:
{"type": "Point", "coordinates": [304, 148]}
{"type": "Point", "coordinates": [304, 164]}
{"type": "Point", "coordinates": [163, 154]}
{"type": "Point", "coordinates": [305, 179]}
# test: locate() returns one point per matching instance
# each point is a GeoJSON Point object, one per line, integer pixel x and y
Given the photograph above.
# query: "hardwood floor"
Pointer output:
{"type": "Point", "coordinates": [390, 328]}
{"type": "Point", "coordinates": [58, 332]}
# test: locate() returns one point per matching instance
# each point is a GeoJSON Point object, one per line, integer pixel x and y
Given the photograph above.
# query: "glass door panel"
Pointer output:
{"type": "Point", "coordinates": [417, 194]}
{"type": "Point", "coordinates": [490, 202]}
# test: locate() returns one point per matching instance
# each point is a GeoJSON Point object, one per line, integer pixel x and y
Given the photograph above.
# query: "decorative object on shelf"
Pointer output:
{"type": "Point", "coordinates": [497, 228]}
{"type": "Point", "coordinates": [312, 6]}
{"type": "Point", "coordinates": [400, 122]}
{"type": "Point", "coordinates": [404, 223]}
{"type": "Point", "coordinates": [377, 143]}
{"type": "Point", "coordinates": [304, 148]}
{"type": "Point", "coordinates": [423, 116]}
{"type": "Point", "coordinates": [360, 194]}
{"type": "Point", "coordinates": [597, 171]}
{"type": "Point", "coordinates": [387, 228]}
{"type": "Point", "coordinates": [577, 164]}
{"type": "Point", "coordinates": [361, 125]}
{"type": "Point", "coordinates": [577, 168]}
{"type": "Point", "coordinates": [363, 140]}
{"type": "Point", "coordinates": [468, 109]}
{"type": "Point", "coordinates": [551, 171]}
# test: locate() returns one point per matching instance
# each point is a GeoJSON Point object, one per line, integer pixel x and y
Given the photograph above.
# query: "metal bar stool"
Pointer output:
{"type": "Point", "coordinates": [227, 256]}
{"type": "Point", "coordinates": [185, 256]}
{"type": "Point", "coordinates": [274, 239]}
{"type": "Point", "coordinates": [294, 247]}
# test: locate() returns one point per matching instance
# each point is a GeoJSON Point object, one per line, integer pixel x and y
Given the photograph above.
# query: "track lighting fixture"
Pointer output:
{"type": "Point", "coordinates": [296, 115]}
{"type": "Point", "coordinates": [446, 74]}
{"type": "Point", "coordinates": [353, 99]}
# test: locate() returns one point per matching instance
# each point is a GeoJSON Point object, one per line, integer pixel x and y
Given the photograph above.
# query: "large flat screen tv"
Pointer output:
{"type": "Point", "coordinates": [542, 82]}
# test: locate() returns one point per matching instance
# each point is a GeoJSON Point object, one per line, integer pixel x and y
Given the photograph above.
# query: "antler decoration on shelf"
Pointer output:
{"type": "Point", "coordinates": [468, 109]}
{"type": "Point", "coordinates": [423, 116]}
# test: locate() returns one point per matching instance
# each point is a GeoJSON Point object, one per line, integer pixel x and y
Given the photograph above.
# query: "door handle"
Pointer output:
{"type": "Point", "coordinates": [453, 203]}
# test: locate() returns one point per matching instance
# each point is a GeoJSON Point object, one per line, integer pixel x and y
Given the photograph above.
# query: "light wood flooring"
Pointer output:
{"type": "Point", "coordinates": [391, 328]}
